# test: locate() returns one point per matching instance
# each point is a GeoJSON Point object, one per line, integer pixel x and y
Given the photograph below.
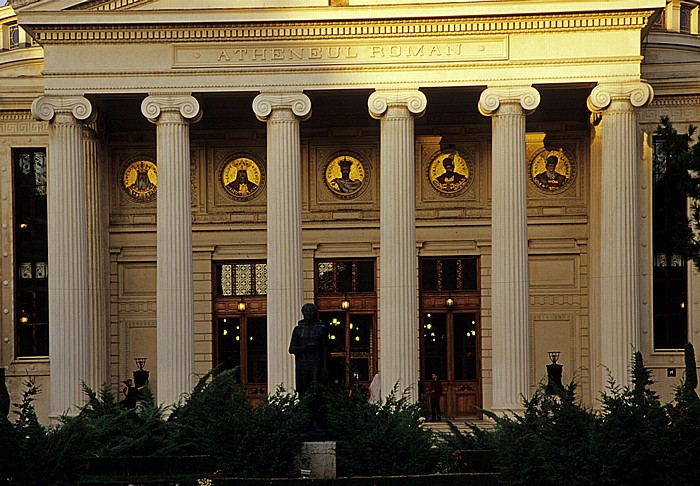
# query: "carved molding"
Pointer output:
{"type": "Point", "coordinates": [44, 108]}
{"type": "Point", "coordinates": [188, 106]}
{"type": "Point", "coordinates": [265, 103]}
{"type": "Point", "coordinates": [638, 94]}
{"type": "Point", "coordinates": [380, 100]}
{"type": "Point", "coordinates": [384, 28]}
{"type": "Point", "coordinates": [493, 97]}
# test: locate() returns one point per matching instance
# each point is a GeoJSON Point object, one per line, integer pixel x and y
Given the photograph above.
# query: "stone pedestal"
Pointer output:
{"type": "Point", "coordinates": [317, 460]}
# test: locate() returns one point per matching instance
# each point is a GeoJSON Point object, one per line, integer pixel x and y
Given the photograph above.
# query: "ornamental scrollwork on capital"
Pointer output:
{"type": "Point", "coordinates": [44, 108]}
{"type": "Point", "coordinates": [380, 100]}
{"type": "Point", "coordinates": [638, 94]}
{"type": "Point", "coordinates": [492, 98]}
{"type": "Point", "coordinates": [187, 105]}
{"type": "Point", "coordinates": [265, 103]}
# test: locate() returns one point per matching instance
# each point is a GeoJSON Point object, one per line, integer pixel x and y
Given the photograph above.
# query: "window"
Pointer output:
{"type": "Point", "coordinates": [246, 278]}
{"type": "Point", "coordinates": [448, 274]}
{"type": "Point", "coordinates": [347, 305]}
{"type": "Point", "coordinates": [686, 17]}
{"type": "Point", "coordinates": [14, 36]}
{"type": "Point", "coordinates": [239, 326]}
{"type": "Point", "coordinates": [344, 276]}
{"type": "Point", "coordinates": [31, 253]}
{"type": "Point", "coordinates": [670, 267]}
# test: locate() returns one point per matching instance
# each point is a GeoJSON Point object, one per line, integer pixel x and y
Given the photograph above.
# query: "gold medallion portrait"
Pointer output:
{"type": "Point", "coordinates": [345, 176]}
{"type": "Point", "coordinates": [551, 171]}
{"type": "Point", "coordinates": [140, 180]}
{"type": "Point", "coordinates": [242, 177]}
{"type": "Point", "coordinates": [449, 173]}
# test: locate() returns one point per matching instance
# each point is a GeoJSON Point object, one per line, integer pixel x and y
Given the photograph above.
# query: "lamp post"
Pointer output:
{"type": "Point", "coordinates": [140, 375]}
{"type": "Point", "coordinates": [554, 373]}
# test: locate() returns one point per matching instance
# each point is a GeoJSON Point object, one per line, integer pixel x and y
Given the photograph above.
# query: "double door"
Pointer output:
{"type": "Point", "coordinates": [451, 349]}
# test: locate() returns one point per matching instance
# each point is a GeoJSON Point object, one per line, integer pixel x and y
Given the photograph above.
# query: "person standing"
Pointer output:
{"type": "Point", "coordinates": [435, 395]}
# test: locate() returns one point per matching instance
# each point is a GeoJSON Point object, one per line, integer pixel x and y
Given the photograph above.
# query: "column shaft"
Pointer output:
{"type": "Point", "coordinates": [398, 310]}
{"type": "Point", "coordinates": [510, 287]}
{"type": "Point", "coordinates": [619, 258]}
{"type": "Point", "coordinates": [67, 252]}
{"type": "Point", "coordinates": [285, 282]}
{"type": "Point", "coordinates": [174, 290]}
{"type": "Point", "coordinates": [97, 269]}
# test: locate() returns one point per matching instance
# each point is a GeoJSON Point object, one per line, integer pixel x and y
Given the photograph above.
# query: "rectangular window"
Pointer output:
{"type": "Point", "coordinates": [448, 274]}
{"type": "Point", "coordinates": [31, 253]}
{"type": "Point", "coordinates": [14, 36]}
{"type": "Point", "coordinates": [670, 266]}
{"type": "Point", "coordinates": [344, 276]}
{"type": "Point", "coordinates": [248, 278]}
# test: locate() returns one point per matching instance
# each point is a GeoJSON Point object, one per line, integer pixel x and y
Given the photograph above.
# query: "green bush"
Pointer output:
{"type": "Point", "coordinates": [378, 439]}
{"type": "Point", "coordinates": [243, 441]}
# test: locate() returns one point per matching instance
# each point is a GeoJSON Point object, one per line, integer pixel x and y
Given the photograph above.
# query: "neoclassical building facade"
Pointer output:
{"type": "Point", "coordinates": [461, 188]}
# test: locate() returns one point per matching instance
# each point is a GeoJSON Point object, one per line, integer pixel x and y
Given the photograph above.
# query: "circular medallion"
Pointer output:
{"type": "Point", "coordinates": [449, 173]}
{"type": "Point", "coordinates": [243, 177]}
{"type": "Point", "coordinates": [345, 176]}
{"type": "Point", "coordinates": [551, 171]}
{"type": "Point", "coordinates": [140, 180]}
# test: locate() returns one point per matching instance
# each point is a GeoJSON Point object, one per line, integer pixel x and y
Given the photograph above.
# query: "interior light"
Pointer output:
{"type": "Point", "coordinates": [345, 304]}
{"type": "Point", "coordinates": [238, 338]}
{"type": "Point", "coordinates": [23, 225]}
{"type": "Point", "coordinates": [357, 338]}
{"type": "Point", "coordinates": [241, 306]}
{"type": "Point", "coordinates": [24, 319]}
{"type": "Point", "coordinates": [225, 332]}
{"type": "Point", "coordinates": [429, 326]}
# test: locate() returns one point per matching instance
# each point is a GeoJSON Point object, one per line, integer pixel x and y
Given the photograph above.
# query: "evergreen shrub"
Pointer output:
{"type": "Point", "coordinates": [378, 439]}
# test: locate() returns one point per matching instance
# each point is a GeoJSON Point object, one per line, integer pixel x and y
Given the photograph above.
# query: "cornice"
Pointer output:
{"type": "Point", "coordinates": [216, 31]}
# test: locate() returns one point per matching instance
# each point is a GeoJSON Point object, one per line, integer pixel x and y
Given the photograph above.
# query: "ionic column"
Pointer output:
{"type": "Point", "coordinates": [67, 252]}
{"type": "Point", "coordinates": [619, 257]}
{"type": "Point", "coordinates": [98, 273]}
{"type": "Point", "coordinates": [507, 107]}
{"type": "Point", "coordinates": [398, 308]}
{"type": "Point", "coordinates": [172, 115]}
{"type": "Point", "coordinates": [282, 112]}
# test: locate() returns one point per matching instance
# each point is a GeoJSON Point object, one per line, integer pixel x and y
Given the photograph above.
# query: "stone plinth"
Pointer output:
{"type": "Point", "coordinates": [317, 459]}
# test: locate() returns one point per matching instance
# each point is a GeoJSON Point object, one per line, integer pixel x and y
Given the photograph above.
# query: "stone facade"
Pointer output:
{"type": "Point", "coordinates": [285, 89]}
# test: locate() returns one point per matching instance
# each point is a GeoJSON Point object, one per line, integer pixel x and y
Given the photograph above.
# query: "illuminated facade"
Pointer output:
{"type": "Point", "coordinates": [460, 187]}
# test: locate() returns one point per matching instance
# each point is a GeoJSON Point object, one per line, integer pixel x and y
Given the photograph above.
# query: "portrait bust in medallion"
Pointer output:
{"type": "Point", "coordinates": [345, 176]}
{"type": "Point", "coordinates": [242, 177]}
{"type": "Point", "coordinates": [449, 173]}
{"type": "Point", "coordinates": [551, 171]}
{"type": "Point", "coordinates": [139, 179]}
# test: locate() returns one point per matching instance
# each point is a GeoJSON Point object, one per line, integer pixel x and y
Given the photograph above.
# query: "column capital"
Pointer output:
{"type": "Point", "coordinates": [494, 96]}
{"type": "Point", "coordinates": [298, 103]}
{"type": "Point", "coordinates": [638, 94]}
{"type": "Point", "coordinates": [44, 108]}
{"type": "Point", "coordinates": [379, 101]}
{"type": "Point", "coordinates": [155, 104]}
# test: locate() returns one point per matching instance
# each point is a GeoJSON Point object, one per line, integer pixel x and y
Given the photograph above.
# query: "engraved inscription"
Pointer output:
{"type": "Point", "coordinates": [351, 52]}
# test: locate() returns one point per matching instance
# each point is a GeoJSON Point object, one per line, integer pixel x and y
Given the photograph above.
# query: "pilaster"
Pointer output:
{"type": "Point", "coordinates": [285, 286]}
{"type": "Point", "coordinates": [507, 107]}
{"type": "Point", "coordinates": [398, 304]}
{"type": "Point", "coordinates": [67, 249]}
{"type": "Point", "coordinates": [172, 115]}
{"type": "Point", "coordinates": [619, 270]}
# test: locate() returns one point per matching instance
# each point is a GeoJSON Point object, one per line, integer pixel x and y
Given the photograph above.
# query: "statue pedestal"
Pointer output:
{"type": "Point", "coordinates": [317, 460]}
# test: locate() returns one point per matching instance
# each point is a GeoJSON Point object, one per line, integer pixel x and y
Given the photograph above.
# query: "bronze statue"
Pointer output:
{"type": "Point", "coordinates": [310, 348]}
